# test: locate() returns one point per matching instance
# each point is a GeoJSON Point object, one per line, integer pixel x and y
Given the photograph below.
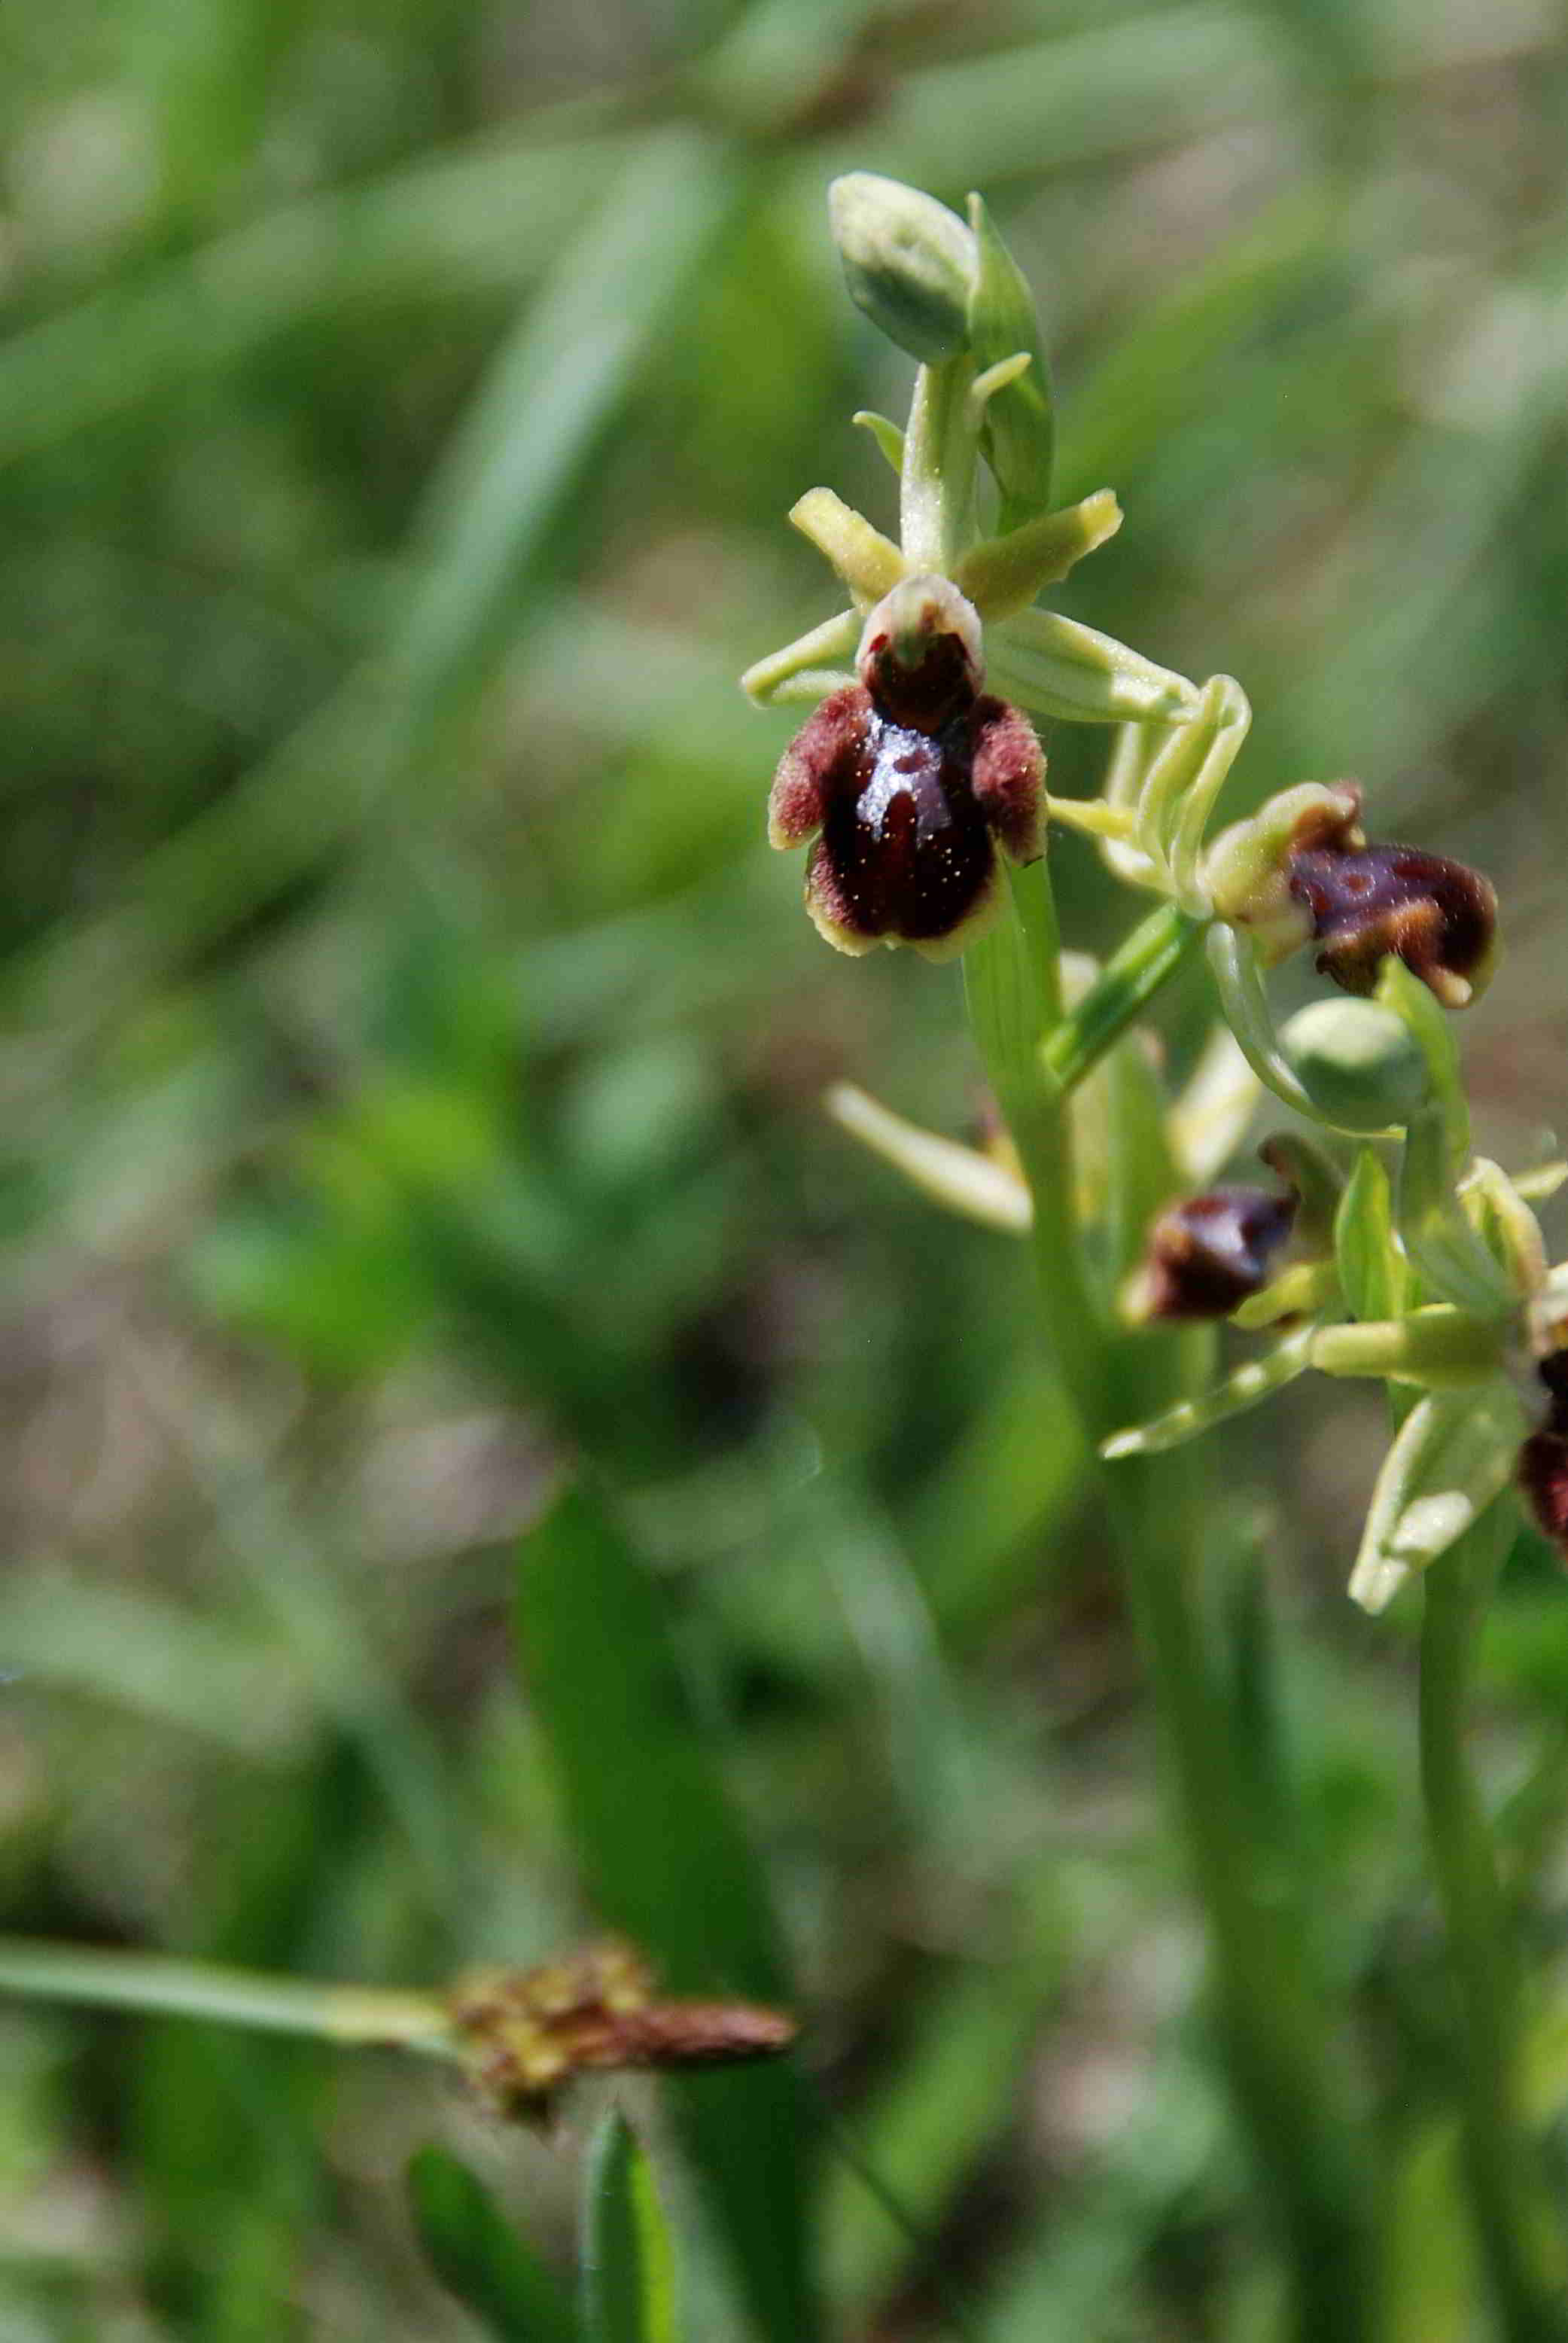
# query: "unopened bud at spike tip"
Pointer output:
{"type": "Point", "coordinates": [908, 262]}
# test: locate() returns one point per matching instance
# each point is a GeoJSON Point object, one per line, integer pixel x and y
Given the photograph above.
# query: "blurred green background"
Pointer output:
{"type": "Point", "coordinates": [412, 1058]}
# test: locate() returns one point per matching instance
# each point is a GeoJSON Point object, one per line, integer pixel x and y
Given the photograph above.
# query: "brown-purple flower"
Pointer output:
{"type": "Point", "coordinates": [1365, 901]}
{"type": "Point", "coordinates": [909, 780]}
{"type": "Point", "coordinates": [1303, 871]}
{"type": "Point", "coordinates": [1209, 1253]}
{"type": "Point", "coordinates": [1543, 1458]}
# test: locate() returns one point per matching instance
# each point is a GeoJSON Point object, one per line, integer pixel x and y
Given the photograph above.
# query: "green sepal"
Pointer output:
{"type": "Point", "coordinates": [1019, 436]}
{"type": "Point", "coordinates": [1061, 668]}
{"type": "Point", "coordinates": [870, 564]}
{"type": "Point", "coordinates": [1003, 575]}
{"type": "Point", "coordinates": [1454, 1453]}
{"type": "Point", "coordinates": [1374, 1274]}
{"type": "Point", "coordinates": [781, 675]}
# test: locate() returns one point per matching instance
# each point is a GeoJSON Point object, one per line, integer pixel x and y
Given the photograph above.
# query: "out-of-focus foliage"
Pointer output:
{"type": "Point", "coordinates": [413, 1054]}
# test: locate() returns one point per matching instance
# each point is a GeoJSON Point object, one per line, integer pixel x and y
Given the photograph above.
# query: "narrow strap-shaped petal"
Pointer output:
{"type": "Point", "coordinates": [967, 1182]}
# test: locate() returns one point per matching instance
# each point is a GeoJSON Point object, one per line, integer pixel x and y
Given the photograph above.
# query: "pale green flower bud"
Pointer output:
{"type": "Point", "coordinates": [1359, 1062]}
{"type": "Point", "coordinates": [908, 262]}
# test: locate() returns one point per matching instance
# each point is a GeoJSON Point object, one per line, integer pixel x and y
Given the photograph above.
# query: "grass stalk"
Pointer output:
{"type": "Point", "coordinates": [157, 1985]}
{"type": "Point", "coordinates": [1520, 2241]}
{"type": "Point", "coordinates": [1289, 2081]}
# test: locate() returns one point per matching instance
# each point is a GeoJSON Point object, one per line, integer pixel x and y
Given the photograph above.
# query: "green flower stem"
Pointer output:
{"type": "Point", "coordinates": [1521, 2240]}
{"type": "Point", "coordinates": [1287, 2082]}
{"type": "Point", "coordinates": [1034, 900]}
{"type": "Point", "coordinates": [149, 1982]}
{"type": "Point", "coordinates": [1292, 2089]}
{"type": "Point", "coordinates": [1157, 948]}
{"type": "Point", "coordinates": [1013, 987]}
{"type": "Point", "coordinates": [935, 501]}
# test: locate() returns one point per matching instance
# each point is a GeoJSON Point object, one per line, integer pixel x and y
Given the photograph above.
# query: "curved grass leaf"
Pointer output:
{"type": "Point", "coordinates": [666, 1861]}
{"type": "Point", "coordinates": [629, 2267]}
{"type": "Point", "coordinates": [480, 2258]}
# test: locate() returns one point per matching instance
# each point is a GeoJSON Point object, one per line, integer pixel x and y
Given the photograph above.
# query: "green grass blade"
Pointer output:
{"type": "Point", "coordinates": [628, 2267]}
{"type": "Point", "coordinates": [552, 394]}
{"type": "Point", "coordinates": [480, 2258]}
{"type": "Point", "coordinates": [475, 219]}
{"type": "Point", "coordinates": [667, 1860]}
{"type": "Point", "coordinates": [548, 395]}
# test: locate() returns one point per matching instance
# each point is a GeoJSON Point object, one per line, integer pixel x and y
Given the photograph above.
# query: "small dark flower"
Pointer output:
{"type": "Point", "coordinates": [1209, 1253]}
{"type": "Point", "coordinates": [527, 2032]}
{"type": "Point", "coordinates": [1365, 901]}
{"type": "Point", "coordinates": [1543, 1458]}
{"type": "Point", "coordinates": [1302, 870]}
{"type": "Point", "coordinates": [913, 777]}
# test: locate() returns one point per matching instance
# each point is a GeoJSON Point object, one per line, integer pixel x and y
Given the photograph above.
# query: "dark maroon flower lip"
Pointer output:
{"type": "Point", "coordinates": [1366, 901]}
{"type": "Point", "coordinates": [924, 696]}
{"type": "Point", "coordinates": [909, 783]}
{"type": "Point", "coordinates": [1543, 1458]}
{"type": "Point", "coordinates": [1209, 1253]}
